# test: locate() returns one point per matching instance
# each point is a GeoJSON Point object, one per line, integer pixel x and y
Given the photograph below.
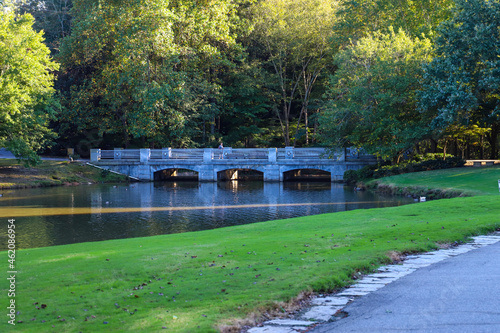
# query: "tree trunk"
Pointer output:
{"type": "Point", "coordinates": [493, 139]}
{"type": "Point", "coordinates": [481, 153]}
{"type": "Point", "coordinates": [307, 131]}
{"type": "Point", "coordinates": [286, 134]}
{"type": "Point", "coordinates": [434, 145]}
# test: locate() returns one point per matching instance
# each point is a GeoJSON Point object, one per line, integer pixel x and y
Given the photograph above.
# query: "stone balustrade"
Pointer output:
{"type": "Point", "coordinates": [211, 163]}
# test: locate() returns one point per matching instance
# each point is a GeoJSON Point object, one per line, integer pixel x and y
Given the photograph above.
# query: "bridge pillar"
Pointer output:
{"type": "Point", "coordinates": [272, 155]}
{"type": "Point", "coordinates": [337, 173]}
{"type": "Point", "coordinates": [207, 173]}
{"type": "Point", "coordinates": [145, 155]}
{"type": "Point", "coordinates": [207, 155]}
{"type": "Point", "coordinates": [272, 173]}
{"type": "Point", "coordinates": [144, 172]}
{"type": "Point", "coordinates": [95, 155]}
{"type": "Point", "coordinates": [166, 153]}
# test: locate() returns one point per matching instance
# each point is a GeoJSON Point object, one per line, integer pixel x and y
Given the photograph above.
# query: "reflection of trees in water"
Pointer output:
{"type": "Point", "coordinates": [32, 232]}
{"type": "Point", "coordinates": [173, 207]}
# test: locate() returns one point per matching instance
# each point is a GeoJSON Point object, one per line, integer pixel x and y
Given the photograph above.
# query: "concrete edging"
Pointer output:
{"type": "Point", "coordinates": [324, 307]}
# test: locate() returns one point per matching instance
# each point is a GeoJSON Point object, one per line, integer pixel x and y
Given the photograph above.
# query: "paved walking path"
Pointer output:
{"type": "Point", "coordinates": [4, 153]}
{"type": "Point", "coordinates": [453, 290]}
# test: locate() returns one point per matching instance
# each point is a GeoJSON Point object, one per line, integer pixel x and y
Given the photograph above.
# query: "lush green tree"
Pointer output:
{"type": "Point", "coordinates": [292, 37]}
{"type": "Point", "coordinates": [148, 70]}
{"type": "Point", "coordinates": [462, 83]}
{"type": "Point", "coordinates": [359, 18]}
{"type": "Point", "coordinates": [115, 56]}
{"type": "Point", "coordinates": [205, 33]}
{"type": "Point", "coordinates": [26, 81]}
{"type": "Point", "coordinates": [248, 118]}
{"type": "Point", "coordinates": [371, 97]}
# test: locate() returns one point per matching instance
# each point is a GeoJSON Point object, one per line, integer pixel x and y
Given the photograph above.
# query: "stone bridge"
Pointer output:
{"type": "Point", "coordinates": [273, 164]}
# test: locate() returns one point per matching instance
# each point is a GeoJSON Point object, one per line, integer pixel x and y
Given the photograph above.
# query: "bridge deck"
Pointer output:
{"type": "Point", "coordinates": [208, 162]}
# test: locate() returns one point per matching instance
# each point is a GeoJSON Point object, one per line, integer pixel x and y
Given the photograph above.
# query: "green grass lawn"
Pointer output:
{"type": "Point", "coordinates": [201, 281]}
{"type": "Point", "coordinates": [468, 180]}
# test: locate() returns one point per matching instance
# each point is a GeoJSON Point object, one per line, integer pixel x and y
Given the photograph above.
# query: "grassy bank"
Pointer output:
{"type": "Point", "coordinates": [202, 281]}
{"type": "Point", "coordinates": [466, 181]}
{"type": "Point", "coordinates": [51, 173]}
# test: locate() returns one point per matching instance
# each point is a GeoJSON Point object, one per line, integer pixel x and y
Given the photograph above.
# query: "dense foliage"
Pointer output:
{"type": "Point", "coordinates": [371, 98]}
{"type": "Point", "coordinates": [392, 76]}
{"type": "Point", "coordinates": [462, 83]}
{"type": "Point", "coordinates": [421, 163]}
{"type": "Point", "coordinates": [26, 80]}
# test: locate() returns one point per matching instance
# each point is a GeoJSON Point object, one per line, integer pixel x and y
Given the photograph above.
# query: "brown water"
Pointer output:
{"type": "Point", "coordinates": [65, 215]}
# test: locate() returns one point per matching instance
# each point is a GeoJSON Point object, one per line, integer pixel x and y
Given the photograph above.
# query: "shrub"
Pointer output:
{"type": "Point", "coordinates": [377, 171]}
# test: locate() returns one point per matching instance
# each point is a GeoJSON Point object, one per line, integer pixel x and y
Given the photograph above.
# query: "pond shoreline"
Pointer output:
{"type": "Point", "coordinates": [417, 191]}
{"type": "Point", "coordinates": [14, 175]}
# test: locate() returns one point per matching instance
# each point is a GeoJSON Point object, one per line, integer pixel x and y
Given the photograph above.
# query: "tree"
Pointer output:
{"type": "Point", "coordinates": [26, 81]}
{"type": "Point", "coordinates": [371, 98]}
{"type": "Point", "coordinates": [462, 83]}
{"type": "Point", "coordinates": [359, 18]}
{"type": "Point", "coordinates": [293, 37]}
{"type": "Point", "coordinates": [147, 70]}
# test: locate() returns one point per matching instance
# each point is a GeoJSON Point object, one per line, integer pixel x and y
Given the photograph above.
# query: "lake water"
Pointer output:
{"type": "Point", "coordinates": [65, 215]}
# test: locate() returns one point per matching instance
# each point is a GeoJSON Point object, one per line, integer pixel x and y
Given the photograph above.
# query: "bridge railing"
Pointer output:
{"type": "Point", "coordinates": [209, 154]}
{"type": "Point", "coordinates": [176, 154]}
{"type": "Point", "coordinates": [246, 153]}
{"type": "Point", "coordinates": [306, 153]}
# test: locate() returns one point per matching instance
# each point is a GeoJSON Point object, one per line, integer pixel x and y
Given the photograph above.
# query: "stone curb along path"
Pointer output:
{"type": "Point", "coordinates": [324, 308]}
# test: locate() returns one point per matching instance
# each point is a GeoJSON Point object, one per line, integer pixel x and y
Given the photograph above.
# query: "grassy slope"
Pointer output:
{"type": "Point", "coordinates": [50, 173]}
{"type": "Point", "coordinates": [469, 180]}
{"type": "Point", "coordinates": [196, 281]}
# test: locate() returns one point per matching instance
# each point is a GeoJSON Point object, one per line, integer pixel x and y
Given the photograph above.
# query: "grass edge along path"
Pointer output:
{"type": "Point", "coordinates": [217, 279]}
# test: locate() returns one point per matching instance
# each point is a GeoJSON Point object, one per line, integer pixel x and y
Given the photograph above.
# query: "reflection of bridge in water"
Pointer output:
{"type": "Point", "coordinates": [273, 164]}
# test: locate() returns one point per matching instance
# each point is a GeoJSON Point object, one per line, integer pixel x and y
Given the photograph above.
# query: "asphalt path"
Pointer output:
{"type": "Point", "coordinates": [459, 294]}
{"type": "Point", "coordinates": [4, 153]}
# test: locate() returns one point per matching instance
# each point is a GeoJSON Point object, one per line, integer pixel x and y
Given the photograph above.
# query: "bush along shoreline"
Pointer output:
{"type": "Point", "coordinates": [416, 191]}
{"type": "Point", "coordinates": [382, 170]}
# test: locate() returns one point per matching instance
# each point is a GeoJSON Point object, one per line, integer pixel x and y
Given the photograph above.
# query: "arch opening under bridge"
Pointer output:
{"type": "Point", "coordinates": [240, 174]}
{"type": "Point", "coordinates": [307, 174]}
{"type": "Point", "coordinates": [176, 174]}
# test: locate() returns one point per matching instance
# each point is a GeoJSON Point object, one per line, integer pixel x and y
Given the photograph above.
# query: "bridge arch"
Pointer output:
{"type": "Point", "coordinates": [240, 173]}
{"type": "Point", "coordinates": [316, 173]}
{"type": "Point", "coordinates": [176, 173]}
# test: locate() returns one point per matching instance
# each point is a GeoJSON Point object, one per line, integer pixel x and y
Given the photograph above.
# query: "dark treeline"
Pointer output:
{"type": "Point", "coordinates": [395, 77]}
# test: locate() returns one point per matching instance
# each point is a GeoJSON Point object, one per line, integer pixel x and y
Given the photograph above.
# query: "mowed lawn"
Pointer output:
{"type": "Point", "coordinates": [470, 180]}
{"type": "Point", "coordinates": [209, 280]}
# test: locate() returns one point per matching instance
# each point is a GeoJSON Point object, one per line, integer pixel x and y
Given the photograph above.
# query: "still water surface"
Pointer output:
{"type": "Point", "coordinates": [65, 215]}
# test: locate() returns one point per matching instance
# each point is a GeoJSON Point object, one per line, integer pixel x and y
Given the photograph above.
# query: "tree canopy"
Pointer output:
{"type": "Point", "coordinates": [386, 75]}
{"type": "Point", "coordinates": [26, 86]}
{"type": "Point", "coordinates": [462, 83]}
{"type": "Point", "coordinates": [371, 97]}
{"type": "Point", "coordinates": [293, 38]}
{"type": "Point", "coordinates": [147, 69]}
